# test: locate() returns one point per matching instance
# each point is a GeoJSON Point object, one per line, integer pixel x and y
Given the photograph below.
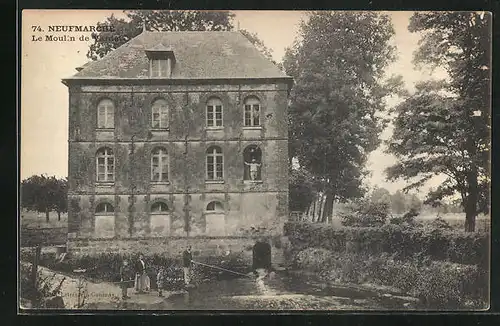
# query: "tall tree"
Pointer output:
{"type": "Point", "coordinates": [444, 127]}
{"type": "Point", "coordinates": [61, 197]}
{"type": "Point", "coordinates": [39, 193]}
{"type": "Point", "coordinates": [338, 64]}
{"type": "Point", "coordinates": [398, 202]}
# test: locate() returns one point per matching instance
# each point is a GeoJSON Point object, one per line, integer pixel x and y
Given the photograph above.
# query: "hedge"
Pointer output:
{"type": "Point", "coordinates": [438, 284]}
{"type": "Point", "coordinates": [404, 243]}
{"type": "Point", "coordinates": [106, 267]}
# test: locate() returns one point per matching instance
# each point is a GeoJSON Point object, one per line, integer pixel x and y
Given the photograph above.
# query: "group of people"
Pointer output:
{"type": "Point", "coordinates": [140, 279]}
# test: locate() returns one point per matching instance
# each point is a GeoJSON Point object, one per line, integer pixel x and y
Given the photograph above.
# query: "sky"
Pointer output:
{"type": "Point", "coordinates": [44, 99]}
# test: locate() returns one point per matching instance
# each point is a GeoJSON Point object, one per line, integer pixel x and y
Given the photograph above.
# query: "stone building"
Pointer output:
{"type": "Point", "coordinates": [177, 135]}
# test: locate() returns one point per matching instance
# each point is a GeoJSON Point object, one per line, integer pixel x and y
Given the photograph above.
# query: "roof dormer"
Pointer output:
{"type": "Point", "coordinates": [161, 61]}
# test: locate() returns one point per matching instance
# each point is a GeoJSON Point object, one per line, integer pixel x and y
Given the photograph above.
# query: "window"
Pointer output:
{"type": "Point", "coordinates": [252, 163]}
{"type": "Point", "coordinates": [214, 112]}
{"type": "Point", "coordinates": [104, 223]}
{"type": "Point", "coordinates": [215, 163]}
{"type": "Point", "coordinates": [252, 112]}
{"type": "Point", "coordinates": [160, 68]}
{"type": "Point", "coordinates": [105, 114]}
{"type": "Point", "coordinates": [215, 206]}
{"type": "Point", "coordinates": [105, 162]}
{"type": "Point", "coordinates": [104, 209]}
{"type": "Point", "coordinates": [215, 220]}
{"type": "Point", "coordinates": [159, 114]}
{"type": "Point", "coordinates": [159, 208]}
{"type": "Point", "coordinates": [159, 165]}
{"type": "Point", "coordinates": [159, 219]}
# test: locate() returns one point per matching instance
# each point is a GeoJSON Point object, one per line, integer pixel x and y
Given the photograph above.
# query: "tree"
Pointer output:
{"type": "Point", "coordinates": [302, 191]}
{"type": "Point", "coordinates": [338, 64]}
{"type": "Point", "coordinates": [444, 127]}
{"type": "Point", "coordinates": [381, 195]}
{"type": "Point", "coordinates": [398, 202]}
{"type": "Point", "coordinates": [61, 197]}
{"type": "Point", "coordinates": [44, 194]}
{"type": "Point", "coordinates": [164, 20]}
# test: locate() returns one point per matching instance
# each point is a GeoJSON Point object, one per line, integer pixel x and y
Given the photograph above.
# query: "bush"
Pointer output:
{"type": "Point", "coordinates": [438, 285]}
{"type": "Point", "coordinates": [365, 213]}
{"type": "Point", "coordinates": [404, 243]}
{"type": "Point", "coordinates": [35, 294]}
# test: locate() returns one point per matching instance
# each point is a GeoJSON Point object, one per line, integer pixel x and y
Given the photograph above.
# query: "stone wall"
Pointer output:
{"type": "Point", "coordinates": [173, 247]}
{"type": "Point", "coordinates": [246, 205]}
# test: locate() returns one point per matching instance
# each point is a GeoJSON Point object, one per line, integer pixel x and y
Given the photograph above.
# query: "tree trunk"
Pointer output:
{"type": "Point", "coordinates": [471, 202]}
{"type": "Point", "coordinates": [328, 210]}
{"type": "Point", "coordinates": [320, 208]}
{"type": "Point", "coordinates": [314, 209]}
{"type": "Point", "coordinates": [58, 216]}
{"type": "Point", "coordinates": [47, 215]}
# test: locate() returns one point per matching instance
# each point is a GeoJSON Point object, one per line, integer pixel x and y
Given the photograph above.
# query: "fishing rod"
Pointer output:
{"type": "Point", "coordinates": [220, 268]}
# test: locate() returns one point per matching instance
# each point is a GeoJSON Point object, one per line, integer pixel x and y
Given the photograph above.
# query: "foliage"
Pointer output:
{"type": "Point", "coordinates": [338, 64]}
{"type": "Point", "coordinates": [364, 212]}
{"type": "Point", "coordinates": [404, 243]}
{"type": "Point", "coordinates": [408, 219]}
{"type": "Point", "coordinates": [35, 293]}
{"type": "Point", "coordinates": [301, 189]}
{"type": "Point", "coordinates": [106, 267]}
{"type": "Point", "coordinates": [444, 127]}
{"type": "Point", "coordinates": [436, 284]}
{"type": "Point", "coordinates": [44, 194]}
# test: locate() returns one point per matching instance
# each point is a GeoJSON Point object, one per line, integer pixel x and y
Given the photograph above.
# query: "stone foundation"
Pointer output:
{"type": "Point", "coordinates": [173, 247]}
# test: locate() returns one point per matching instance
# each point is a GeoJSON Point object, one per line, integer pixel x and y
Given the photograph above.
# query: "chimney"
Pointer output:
{"type": "Point", "coordinates": [238, 25]}
{"type": "Point", "coordinates": [143, 26]}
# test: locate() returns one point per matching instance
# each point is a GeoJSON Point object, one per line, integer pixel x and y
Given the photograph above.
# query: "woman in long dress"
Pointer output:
{"type": "Point", "coordinates": [142, 283]}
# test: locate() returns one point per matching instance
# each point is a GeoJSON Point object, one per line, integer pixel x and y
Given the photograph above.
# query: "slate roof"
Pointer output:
{"type": "Point", "coordinates": [199, 55]}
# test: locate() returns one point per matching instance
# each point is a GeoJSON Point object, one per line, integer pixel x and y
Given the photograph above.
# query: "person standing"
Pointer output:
{"type": "Point", "coordinates": [160, 280]}
{"type": "Point", "coordinates": [125, 278]}
{"type": "Point", "coordinates": [187, 259]}
{"type": "Point", "coordinates": [140, 275]}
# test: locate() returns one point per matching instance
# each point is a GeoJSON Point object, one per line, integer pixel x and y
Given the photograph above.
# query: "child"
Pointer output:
{"type": "Point", "coordinates": [125, 278]}
{"type": "Point", "coordinates": [160, 280]}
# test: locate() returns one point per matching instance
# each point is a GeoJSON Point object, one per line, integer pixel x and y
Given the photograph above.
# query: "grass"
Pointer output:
{"type": "Point", "coordinates": [34, 220]}
{"type": "Point", "coordinates": [457, 220]}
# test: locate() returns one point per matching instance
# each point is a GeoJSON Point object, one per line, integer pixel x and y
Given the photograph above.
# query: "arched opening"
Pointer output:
{"type": "Point", "coordinates": [159, 219]}
{"type": "Point", "coordinates": [104, 222]}
{"type": "Point", "coordinates": [215, 219]}
{"type": "Point", "coordinates": [261, 255]}
{"type": "Point", "coordinates": [252, 163]}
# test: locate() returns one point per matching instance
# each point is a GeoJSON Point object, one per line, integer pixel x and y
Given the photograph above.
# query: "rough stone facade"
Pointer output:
{"type": "Point", "coordinates": [246, 205]}
{"type": "Point", "coordinates": [245, 208]}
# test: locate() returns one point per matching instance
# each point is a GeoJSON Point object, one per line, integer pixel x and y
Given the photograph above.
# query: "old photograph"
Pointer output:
{"type": "Point", "coordinates": [254, 160]}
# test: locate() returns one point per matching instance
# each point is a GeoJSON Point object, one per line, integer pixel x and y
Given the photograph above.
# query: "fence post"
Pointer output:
{"type": "Point", "coordinates": [34, 269]}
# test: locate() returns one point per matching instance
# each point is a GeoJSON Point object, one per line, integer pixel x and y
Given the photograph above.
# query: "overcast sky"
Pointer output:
{"type": "Point", "coordinates": [44, 99]}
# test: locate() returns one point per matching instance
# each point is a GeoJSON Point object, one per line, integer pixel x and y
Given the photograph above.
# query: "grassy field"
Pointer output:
{"type": "Point", "coordinates": [34, 220]}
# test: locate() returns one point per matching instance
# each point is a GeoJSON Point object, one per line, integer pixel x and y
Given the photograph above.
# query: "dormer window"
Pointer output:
{"type": "Point", "coordinates": [161, 61]}
{"type": "Point", "coordinates": [160, 67]}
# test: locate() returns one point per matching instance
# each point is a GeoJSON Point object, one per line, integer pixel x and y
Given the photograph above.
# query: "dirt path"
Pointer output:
{"type": "Point", "coordinates": [103, 295]}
